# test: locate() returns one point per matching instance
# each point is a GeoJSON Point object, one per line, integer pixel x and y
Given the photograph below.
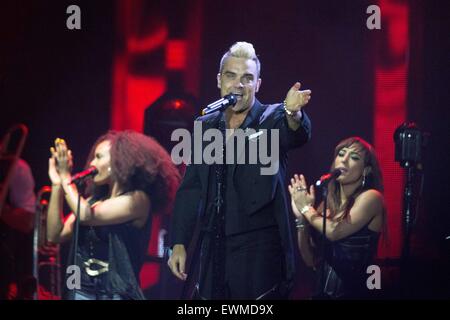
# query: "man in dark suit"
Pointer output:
{"type": "Point", "coordinates": [246, 239]}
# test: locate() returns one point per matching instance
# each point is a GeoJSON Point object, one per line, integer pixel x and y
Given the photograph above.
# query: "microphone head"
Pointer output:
{"type": "Point", "coordinates": [93, 170]}
{"type": "Point", "coordinates": [336, 173]}
{"type": "Point", "coordinates": [328, 177]}
{"type": "Point", "coordinates": [231, 99]}
{"type": "Point", "coordinates": [219, 105]}
{"type": "Point", "coordinates": [83, 175]}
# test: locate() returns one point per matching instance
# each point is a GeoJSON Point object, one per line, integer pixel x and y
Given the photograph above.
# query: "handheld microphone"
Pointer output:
{"type": "Point", "coordinates": [326, 178]}
{"type": "Point", "coordinates": [83, 175]}
{"type": "Point", "coordinates": [228, 100]}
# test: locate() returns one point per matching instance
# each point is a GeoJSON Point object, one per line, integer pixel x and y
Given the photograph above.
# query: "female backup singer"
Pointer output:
{"type": "Point", "coordinates": [135, 177]}
{"type": "Point", "coordinates": [355, 218]}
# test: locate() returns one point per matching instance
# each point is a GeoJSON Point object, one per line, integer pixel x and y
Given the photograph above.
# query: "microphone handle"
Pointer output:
{"type": "Point", "coordinates": [217, 103]}
{"type": "Point", "coordinates": [216, 107]}
{"type": "Point", "coordinates": [220, 104]}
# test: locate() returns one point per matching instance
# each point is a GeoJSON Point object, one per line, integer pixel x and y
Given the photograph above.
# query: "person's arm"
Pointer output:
{"type": "Point", "coordinates": [304, 241]}
{"type": "Point", "coordinates": [184, 219]}
{"type": "Point", "coordinates": [291, 120]}
{"type": "Point", "coordinates": [368, 205]}
{"type": "Point", "coordinates": [177, 261]}
{"type": "Point", "coordinates": [188, 200]}
{"type": "Point", "coordinates": [131, 206]}
{"type": "Point", "coordinates": [54, 214]}
{"type": "Point", "coordinates": [302, 226]}
{"type": "Point", "coordinates": [128, 207]}
{"type": "Point", "coordinates": [293, 105]}
{"type": "Point", "coordinates": [17, 218]}
{"type": "Point", "coordinates": [57, 230]}
{"type": "Point", "coordinates": [20, 214]}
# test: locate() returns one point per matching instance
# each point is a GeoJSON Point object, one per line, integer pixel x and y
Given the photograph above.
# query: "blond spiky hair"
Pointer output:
{"type": "Point", "coordinates": [241, 49]}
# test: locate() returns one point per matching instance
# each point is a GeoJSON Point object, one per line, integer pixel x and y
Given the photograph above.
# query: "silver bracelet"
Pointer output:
{"type": "Point", "coordinates": [289, 112]}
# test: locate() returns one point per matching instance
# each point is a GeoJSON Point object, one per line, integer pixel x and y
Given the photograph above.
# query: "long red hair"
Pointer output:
{"type": "Point", "coordinates": [373, 180]}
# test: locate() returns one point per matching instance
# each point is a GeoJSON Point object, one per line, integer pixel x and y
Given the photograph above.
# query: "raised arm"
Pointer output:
{"type": "Point", "coordinates": [55, 224]}
{"type": "Point", "coordinates": [367, 206]}
{"type": "Point", "coordinates": [295, 100]}
{"type": "Point", "coordinates": [303, 232]}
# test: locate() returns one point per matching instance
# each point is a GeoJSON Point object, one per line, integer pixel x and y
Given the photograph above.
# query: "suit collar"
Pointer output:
{"type": "Point", "coordinates": [253, 115]}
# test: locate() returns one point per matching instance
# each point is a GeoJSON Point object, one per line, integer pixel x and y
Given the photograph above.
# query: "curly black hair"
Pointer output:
{"type": "Point", "coordinates": [139, 162]}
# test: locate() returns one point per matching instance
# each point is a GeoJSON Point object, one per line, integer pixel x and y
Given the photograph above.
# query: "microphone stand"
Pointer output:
{"type": "Point", "coordinates": [73, 249]}
{"type": "Point", "coordinates": [324, 238]}
{"type": "Point", "coordinates": [324, 184]}
{"type": "Point", "coordinates": [408, 215]}
{"type": "Point", "coordinates": [36, 232]}
{"type": "Point", "coordinates": [212, 218]}
{"type": "Point", "coordinates": [216, 250]}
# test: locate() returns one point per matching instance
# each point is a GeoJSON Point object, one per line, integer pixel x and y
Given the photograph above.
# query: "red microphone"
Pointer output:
{"type": "Point", "coordinates": [83, 175]}
{"type": "Point", "coordinates": [328, 177]}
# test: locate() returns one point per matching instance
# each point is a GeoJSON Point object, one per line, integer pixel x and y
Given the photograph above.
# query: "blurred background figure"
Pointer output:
{"type": "Point", "coordinates": [17, 207]}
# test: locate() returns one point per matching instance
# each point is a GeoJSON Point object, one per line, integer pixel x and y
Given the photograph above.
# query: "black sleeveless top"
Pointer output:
{"type": "Point", "coordinates": [346, 264]}
{"type": "Point", "coordinates": [123, 247]}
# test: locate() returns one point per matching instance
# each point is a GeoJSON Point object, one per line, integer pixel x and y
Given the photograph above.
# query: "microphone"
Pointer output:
{"type": "Point", "coordinates": [326, 178]}
{"type": "Point", "coordinates": [228, 100]}
{"type": "Point", "coordinates": [83, 175]}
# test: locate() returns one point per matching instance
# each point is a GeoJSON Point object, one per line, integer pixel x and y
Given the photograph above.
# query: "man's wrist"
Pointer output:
{"type": "Point", "coordinates": [295, 115]}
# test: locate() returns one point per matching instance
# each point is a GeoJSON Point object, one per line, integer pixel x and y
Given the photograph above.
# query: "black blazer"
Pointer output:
{"type": "Point", "coordinates": [255, 190]}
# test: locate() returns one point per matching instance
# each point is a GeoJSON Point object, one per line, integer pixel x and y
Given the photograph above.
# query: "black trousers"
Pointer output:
{"type": "Point", "coordinates": [16, 263]}
{"type": "Point", "coordinates": [254, 267]}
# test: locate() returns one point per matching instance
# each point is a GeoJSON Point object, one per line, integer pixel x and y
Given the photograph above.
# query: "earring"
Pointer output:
{"type": "Point", "coordinates": [364, 181]}
{"type": "Point", "coordinates": [109, 169]}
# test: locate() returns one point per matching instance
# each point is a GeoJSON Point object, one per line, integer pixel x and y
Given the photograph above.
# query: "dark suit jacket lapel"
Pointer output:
{"type": "Point", "coordinates": [253, 115]}
{"type": "Point", "coordinates": [211, 122]}
{"type": "Point", "coordinates": [250, 121]}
